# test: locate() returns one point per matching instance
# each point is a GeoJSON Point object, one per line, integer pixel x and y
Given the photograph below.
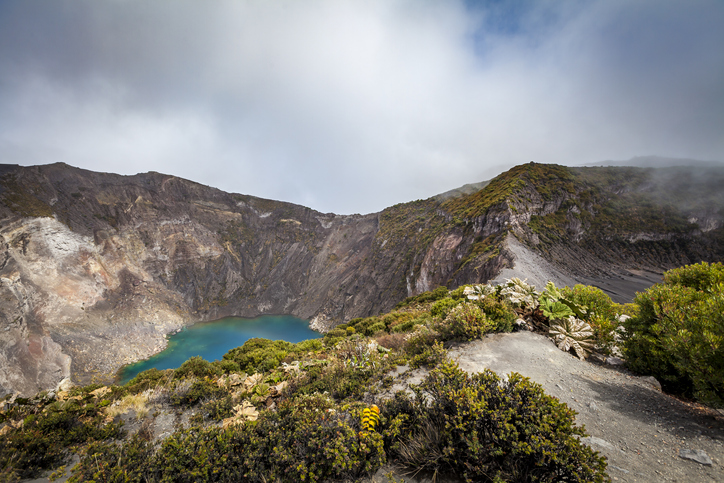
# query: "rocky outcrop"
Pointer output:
{"type": "Point", "coordinates": [96, 268]}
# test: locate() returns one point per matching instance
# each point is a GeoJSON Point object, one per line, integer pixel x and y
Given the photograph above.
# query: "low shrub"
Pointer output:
{"type": "Point", "coordinates": [190, 392]}
{"type": "Point", "coordinates": [430, 356]}
{"type": "Point", "coordinates": [501, 312]}
{"type": "Point", "coordinates": [602, 313]}
{"type": "Point", "coordinates": [466, 321]}
{"type": "Point", "coordinates": [424, 297]}
{"type": "Point", "coordinates": [442, 307]}
{"type": "Point", "coordinates": [197, 367]}
{"type": "Point", "coordinates": [678, 334]}
{"type": "Point", "coordinates": [306, 439]}
{"type": "Point", "coordinates": [482, 428]}
{"type": "Point", "coordinates": [260, 355]}
{"type": "Point", "coordinates": [148, 379]}
{"type": "Point", "coordinates": [42, 442]}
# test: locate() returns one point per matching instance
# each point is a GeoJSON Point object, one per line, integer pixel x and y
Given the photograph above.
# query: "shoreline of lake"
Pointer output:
{"type": "Point", "coordinates": [212, 339]}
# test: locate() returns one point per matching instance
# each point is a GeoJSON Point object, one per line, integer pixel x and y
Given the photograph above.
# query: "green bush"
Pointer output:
{"type": "Point", "coordinates": [442, 307]}
{"type": "Point", "coordinates": [114, 462]}
{"type": "Point", "coordinates": [259, 355]}
{"type": "Point", "coordinates": [601, 313]}
{"type": "Point", "coordinates": [148, 379]}
{"type": "Point", "coordinates": [193, 391]}
{"type": "Point", "coordinates": [429, 356]}
{"type": "Point", "coordinates": [42, 442]}
{"type": "Point", "coordinates": [466, 321]}
{"type": "Point", "coordinates": [501, 312]}
{"type": "Point", "coordinates": [482, 428]}
{"type": "Point", "coordinates": [701, 276]}
{"type": "Point", "coordinates": [678, 334]}
{"type": "Point", "coordinates": [197, 367]}
{"type": "Point", "coordinates": [307, 439]}
{"type": "Point", "coordinates": [424, 297]}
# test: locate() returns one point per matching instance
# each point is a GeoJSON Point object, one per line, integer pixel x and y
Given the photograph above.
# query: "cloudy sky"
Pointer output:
{"type": "Point", "coordinates": [352, 106]}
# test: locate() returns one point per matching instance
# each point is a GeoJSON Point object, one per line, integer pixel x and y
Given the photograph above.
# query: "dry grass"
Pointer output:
{"type": "Point", "coordinates": [137, 402]}
{"type": "Point", "coordinates": [394, 341]}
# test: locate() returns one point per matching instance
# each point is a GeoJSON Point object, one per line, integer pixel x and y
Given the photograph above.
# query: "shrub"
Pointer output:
{"type": "Point", "coordinates": [104, 461]}
{"type": "Point", "coordinates": [498, 311]}
{"type": "Point", "coordinates": [482, 428]}
{"type": "Point", "coordinates": [442, 307]}
{"type": "Point", "coordinates": [197, 367]}
{"type": "Point", "coordinates": [424, 297]}
{"type": "Point", "coordinates": [678, 334]}
{"type": "Point", "coordinates": [430, 356]}
{"type": "Point", "coordinates": [602, 313]}
{"type": "Point", "coordinates": [701, 276]}
{"type": "Point", "coordinates": [42, 441]}
{"type": "Point", "coordinates": [391, 341]}
{"type": "Point", "coordinates": [148, 379]}
{"type": "Point", "coordinates": [260, 355]}
{"type": "Point", "coordinates": [193, 391]}
{"type": "Point", "coordinates": [465, 322]}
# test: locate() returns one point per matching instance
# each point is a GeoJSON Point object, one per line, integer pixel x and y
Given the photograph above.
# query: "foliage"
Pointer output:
{"type": "Point", "coordinates": [483, 428]}
{"type": "Point", "coordinates": [572, 333]}
{"type": "Point", "coordinates": [102, 462]}
{"type": "Point", "coordinates": [260, 355]}
{"type": "Point", "coordinates": [442, 307]}
{"type": "Point", "coordinates": [519, 293]}
{"type": "Point", "coordinates": [197, 367]}
{"type": "Point", "coordinates": [701, 277]}
{"type": "Point", "coordinates": [424, 297]}
{"type": "Point", "coordinates": [148, 379]}
{"type": "Point", "coordinates": [429, 355]}
{"type": "Point", "coordinates": [466, 321]}
{"type": "Point", "coordinates": [477, 292]}
{"type": "Point", "coordinates": [499, 311]}
{"type": "Point", "coordinates": [47, 430]}
{"type": "Point", "coordinates": [554, 309]}
{"type": "Point", "coordinates": [307, 439]}
{"type": "Point", "coordinates": [602, 313]}
{"type": "Point", "coordinates": [678, 334]}
{"type": "Point", "coordinates": [190, 392]}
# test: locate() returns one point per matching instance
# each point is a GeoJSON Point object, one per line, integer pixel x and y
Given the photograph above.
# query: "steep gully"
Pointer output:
{"type": "Point", "coordinates": [96, 268]}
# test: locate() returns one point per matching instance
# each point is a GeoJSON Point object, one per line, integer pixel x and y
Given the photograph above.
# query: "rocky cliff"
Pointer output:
{"type": "Point", "coordinates": [96, 268]}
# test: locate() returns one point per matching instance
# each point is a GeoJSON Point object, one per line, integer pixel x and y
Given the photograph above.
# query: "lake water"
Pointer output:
{"type": "Point", "coordinates": [211, 340]}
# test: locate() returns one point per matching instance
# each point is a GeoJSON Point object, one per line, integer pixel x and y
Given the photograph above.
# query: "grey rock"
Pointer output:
{"type": "Point", "coordinates": [592, 440]}
{"type": "Point", "coordinates": [696, 455]}
{"type": "Point", "coordinates": [651, 381]}
{"type": "Point", "coordinates": [615, 361]}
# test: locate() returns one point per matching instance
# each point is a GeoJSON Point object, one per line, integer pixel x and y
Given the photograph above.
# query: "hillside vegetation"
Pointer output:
{"type": "Point", "coordinates": [276, 411]}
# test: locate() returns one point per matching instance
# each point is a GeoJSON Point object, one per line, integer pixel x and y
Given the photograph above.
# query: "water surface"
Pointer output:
{"type": "Point", "coordinates": [211, 340]}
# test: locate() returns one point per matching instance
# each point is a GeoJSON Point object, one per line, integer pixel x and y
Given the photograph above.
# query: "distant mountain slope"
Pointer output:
{"type": "Point", "coordinates": [95, 268]}
{"type": "Point", "coordinates": [659, 162]}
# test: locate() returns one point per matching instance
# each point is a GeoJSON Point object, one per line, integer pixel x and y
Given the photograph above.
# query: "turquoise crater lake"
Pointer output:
{"type": "Point", "coordinates": [211, 340]}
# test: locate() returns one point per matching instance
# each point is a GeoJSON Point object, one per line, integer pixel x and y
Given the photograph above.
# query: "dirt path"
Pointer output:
{"type": "Point", "coordinates": [640, 430]}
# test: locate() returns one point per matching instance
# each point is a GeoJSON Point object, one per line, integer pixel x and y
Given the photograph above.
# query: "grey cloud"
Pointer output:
{"type": "Point", "coordinates": [353, 106]}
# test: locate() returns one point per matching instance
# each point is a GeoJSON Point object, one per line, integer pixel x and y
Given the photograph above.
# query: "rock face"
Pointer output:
{"type": "Point", "coordinates": [96, 268]}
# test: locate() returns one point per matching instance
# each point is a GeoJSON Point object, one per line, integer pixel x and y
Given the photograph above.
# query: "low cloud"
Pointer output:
{"type": "Point", "coordinates": [353, 106]}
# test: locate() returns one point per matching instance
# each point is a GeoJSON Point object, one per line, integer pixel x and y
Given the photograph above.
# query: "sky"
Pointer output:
{"type": "Point", "coordinates": [353, 106]}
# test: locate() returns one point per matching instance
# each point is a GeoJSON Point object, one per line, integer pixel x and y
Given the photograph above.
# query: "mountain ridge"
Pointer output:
{"type": "Point", "coordinates": [98, 267]}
